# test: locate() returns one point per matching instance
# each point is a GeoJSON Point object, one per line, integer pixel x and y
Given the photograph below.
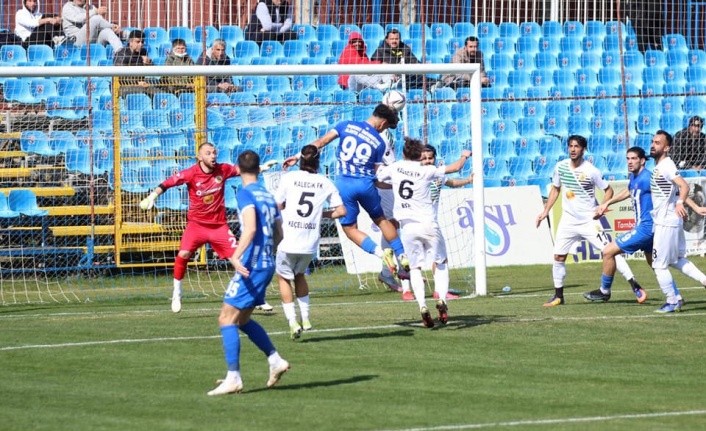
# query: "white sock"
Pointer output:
{"type": "Point", "coordinates": [415, 276]}
{"type": "Point", "coordinates": [405, 285]}
{"type": "Point", "coordinates": [378, 252]}
{"type": "Point", "coordinates": [233, 376]}
{"type": "Point", "coordinates": [177, 288]}
{"type": "Point", "coordinates": [622, 266]}
{"type": "Point", "coordinates": [559, 273]}
{"type": "Point", "coordinates": [688, 268]}
{"type": "Point", "coordinates": [290, 313]}
{"type": "Point", "coordinates": [304, 306]}
{"type": "Point", "coordinates": [274, 359]}
{"type": "Point", "coordinates": [665, 281]}
{"type": "Point", "coordinates": [441, 280]}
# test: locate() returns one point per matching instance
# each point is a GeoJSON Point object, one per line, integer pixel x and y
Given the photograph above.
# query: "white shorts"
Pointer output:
{"type": "Point", "coordinates": [419, 239]}
{"type": "Point", "coordinates": [290, 264]}
{"type": "Point", "coordinates": [387, 201]}
{"type": "Point", "coordinates": [668, 245]}
{"type": "Point", "coordinates": [567, 234]}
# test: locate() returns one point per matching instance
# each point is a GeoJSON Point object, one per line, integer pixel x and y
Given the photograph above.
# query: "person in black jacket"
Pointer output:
{"type": "Point", "coordinates": [216, 56]}
{"type": "Point", "coordinates": [272, 20]}
{"type": "Point", "coordinates": [394, 51]}
{"type": "Point", "coordinates": [134, 54]}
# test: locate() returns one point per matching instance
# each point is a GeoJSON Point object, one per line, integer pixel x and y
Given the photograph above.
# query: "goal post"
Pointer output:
{"type": "Point", "coordinates": [159, 235]}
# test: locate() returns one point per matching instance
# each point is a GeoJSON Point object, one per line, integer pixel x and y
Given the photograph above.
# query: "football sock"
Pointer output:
{"type": "Point", "coordinates": [368, 245]}
{"type": "Point", "coordinates": [606, 284]}
{"type": "Point", "coordinates": [233, 376]}
{"type": "Point", "coordinates": [559, 273]}
{"type": "Point", "coordinates": [304, 306]}
{"type": "Point", "coordinates": [177, 288]}
{"type": "Point", "coordinates": [689, 269]}
{"type": "Point", "coordinates": [396, 245]}
{"type": "Point", "coordinates": [441, 280]}
{"type": "Point", "coordinates": [274, 358]}
{"type": "Point", "coordinates": [666, 283]}
{"type": "Point", "coordinates": [415, 277]}
{"type": "Point", "coordinates": [623, 268]}
{"type": "Point", "coordinates": [290, 313]}
{"type": "Point", "coordinates": [559, 292]}
{"type": "Point", "coordinates": [231, 346]}
{"type": "Point", "coordinates": [180, 267]}
{"type": "Point", "coordinates": [258, 336]}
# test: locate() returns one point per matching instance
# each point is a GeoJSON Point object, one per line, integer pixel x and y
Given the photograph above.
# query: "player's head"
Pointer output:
{"type": "Point", "coordinates": [388, 114]}
{"type": "Point", "coordinates": [207, 155]}
{"type": "Point", "coordinates": [661, 142]}
{"type": "Point", "coordinates": [413, 148]}
{"type": "Point", "coordinates": [577, 146]}
{"type": "Point", "coordinates": [249, 162]}
{"type": "Point", "coordinates": [696, 123]}
{"type": "Point", "coordinates": [636, 159]}
{"type": "Point", "coordinates": [310, 159]}
{"type": "Point", "coordinates": [428, 155]}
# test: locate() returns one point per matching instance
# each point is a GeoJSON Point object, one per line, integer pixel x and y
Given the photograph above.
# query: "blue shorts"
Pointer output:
{"type": "Point", "coordinates": [639, 238]}
{"type": "Point", "coordinates": [248, 292]}
{"type": "Point", "coordinates": [358, 190]}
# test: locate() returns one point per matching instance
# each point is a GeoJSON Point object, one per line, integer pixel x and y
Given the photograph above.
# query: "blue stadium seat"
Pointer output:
{"type": "Point", "coordinates": [509, 30]}
{"type": "Point", "coordinates": [254, 84]}
{"type": "Point", "coordinates": [551, 146]}
{"type": "Point", "coordinates": [580, 107]}
{"type": "Point", "coordinates": [530, 29]}
{"type": "Point", "coordinates": [38, 55]}
{"type": "Point", "coordinates": [372, 32]}
{"type": "Point", "coordinates": [675, 42]}
{"type": "Point", "coordinates": [695, 57]}
{"type": "Point", "coordinates": [12, 55]}
{"type": "Point", "coordinates": [520, 167]}
{"type": "Point", "coordinates": [578, 125]}
{"type": "Point", "coordinates": [677, 59]}
{"type": "Point", "coordinates": [518, 78]}
{"type": "Point", "coordinates": [609, 77]}
{"type": "Point", "coordinates": [208, 33]}
{"type": "Point", "coordinates": [319, 49]}
{"type": "Point", "coordinates": [42, 88]}
{"type": "Point", "coordinates": [512, 93]}
{"type": "Point", "coordinates": [672, 105]}
{"type": "Point", "coordinates": [529, 128]}
{"type": "Point", "coordinates": [568, 61]}
{"type": "Point", "coordinates": [592, 44]}
{"type": "Point", "coordinates": [36, 142]}
{"type": "Point", "coordinates": [610, 59]}
{"type": "Point", "coordinates": [674, 75]}
{"type": "Point", "coordinates": [463, 30]}
{"type": "Point", "coordinates": [345, 30]}
{"type": "Point", "coordinates": [271, 48]}
{"type": "Point", "coordinates": [327, 32]}
{"type": "Point", "coordinates": [552, 29]}
{"type": "Point", "coordinates": [527, 45]}
{"type": "Point", "coordinates": [534, 109]}
{"type": "Point", "coordinates": [587, 76]}
{"type": "Point", "coordinates": [549, 44]}
{"type": "Point", "coordinates": [555, 125]}
{"type": "Point", "coordinates": [487, 30]}
{"type": "Point", "coordinates": [180, 32]}
{"type": "Point", "coordinates": [5, 211]}
{"type": "Point", "coordinates": [252, 136]}
{"type": "Point", "coordinates": [370, 96]}
{"type": "Point", "coordinates": [694, 105]}
{"type": "Point", "coordinates": [497, 78]}
{"type": "Point", "coordinates": [504, 45]}
{"type": "Point", "coordinates": [655, 58]}
{"type": "Point", "coordinates": [545, 60]}
{"type": "Point", "coordinates": [246, 50]}
{"type": "Point", "coordinates": [557, 108]}
{"type": "Point", "coordinates": [541, 77]}
{"type": "Point", "coordinates": [232, 34]}
{"type": "Point", "coordinates": [441, 31]}
{"type": "Point", "coordinates": [600, 125]}
{"type": "Point", "coordinates": [260, 116]}
{"type": "Point", "coordinates": [182, 118]}
{"type": "Point", "coordinates": [510, 110]}
{"type": "Point", "coordinates": [595, 28]}
{"type": "Point", "coordinates": [573, 29]}
{"type": "Point", "coordinates": [543, 166]}
{"type": "Point", "coordinates": [18, 90]}
{"type": "Point", "coordinates": [155, 120]}
{"type": "Point", "coordinates": [564, 78]}
{"type": "Point", "coordinates": [494, 168]}
{"type": "Point", "coordinates": [25, 203]}
{"type": "Point", "coordinates": [600, 145]}
{"type": "Point", "coordinates": [278, 83]}
{"type": "Point", "coordinates": [650, 106]}
{"type": "Point", "coordinates": [327, 83]}
{"type": "Point", "coordinates": [524, 62]}
{"type": "Point", "coordinates": [500, 62]}
{"type": "Point", "coordinates": [570, 45]}
{"type": "Point", "coordinates": [647, 123]}
{"type": "Point", "coordinates": [504, 129]}
{"type": "Point", "coordinates": [156, 36]}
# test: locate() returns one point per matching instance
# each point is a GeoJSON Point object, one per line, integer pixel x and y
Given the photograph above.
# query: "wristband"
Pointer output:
{"type": "Point", "coordinates": [679, 201]}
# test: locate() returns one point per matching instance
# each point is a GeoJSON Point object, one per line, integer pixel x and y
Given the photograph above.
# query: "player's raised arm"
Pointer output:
{"type": "Point", "coordinates": [553, 195]}
{"type": "Point", "coordinates": [458, 164]}
{"type": "Point", "coordinates": [319, 143]}
{"type": "Point", "coordinates": [621, 196]}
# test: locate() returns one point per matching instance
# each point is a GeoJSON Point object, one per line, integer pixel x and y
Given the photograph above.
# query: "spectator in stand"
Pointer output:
{"type": "Point", "coordinates": [272, 20]}
{"type": "Point", "coordinates": [468, 54]}
{"type": "Point", "coordinates": [101, 30]}
{"type": "Point", "coordinates": [394, 51]}
{"type": "Point", "coordinates": [690, 145]}
{"type": "Point", "coordinates": [647, 19]}
{"type": "Point", "coordinates": [216, 56]}
{"type": "Point", "coordinates": [355, 53]}
{"type": "Point", "coordinates": [178, 57]}
{"type": "Point", "coordinates": [134, 54]}
{"type": "Point", "coordinates": [36, 28]}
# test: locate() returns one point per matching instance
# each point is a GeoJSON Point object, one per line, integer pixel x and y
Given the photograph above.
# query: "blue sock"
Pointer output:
{"type": "Point", "coordinates": [606, 282]}
{"type": "Point", "coordinates": [258, 336]}
{"type": "Point", "coordinates": [396, 245]}
{"type": "Point", "coordinates": [231, 346]}
{"type": "Point", "coordinates": [368, 245]}
{"type": "Point", "coordinates": [676, 290]}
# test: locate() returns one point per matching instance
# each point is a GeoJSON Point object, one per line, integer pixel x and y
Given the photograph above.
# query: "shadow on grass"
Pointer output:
{"type": "Point", "coordinates": [320, 384]}
{"type": "Point", "coordinates": [457, 322]}
{"type": "Point", "coordinates": [360, 336]}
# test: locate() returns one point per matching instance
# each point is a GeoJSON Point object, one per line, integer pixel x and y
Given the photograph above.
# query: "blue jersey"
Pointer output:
{"type": "Point", "coordinates": [360, 148]}
{"type": "Point", "coordinates": [260, 252]}
{"type": "Point", "coordinates": [641, 193]}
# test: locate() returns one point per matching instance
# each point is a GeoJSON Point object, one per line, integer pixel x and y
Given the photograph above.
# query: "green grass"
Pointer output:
{"type": "Point", "coordinates": [503, 362]}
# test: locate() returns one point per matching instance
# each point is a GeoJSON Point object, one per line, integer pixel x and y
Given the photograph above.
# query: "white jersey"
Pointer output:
{"type": "Point", "coordinates": [389, 139]}
{"type": "Point", "coordinates": [304, 195]}
{"type": "Point", "coordinates": [664, 193]}
{"type": "Point", "coordinates": [578, 198]}
{"type": "Point", "coordinates": [411, 182]}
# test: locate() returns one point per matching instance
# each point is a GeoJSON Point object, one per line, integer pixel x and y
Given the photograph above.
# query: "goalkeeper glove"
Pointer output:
{"type": "Point", "coordinates": [267, 165]}
{"type": "Point", "coordinates": [148, 202]}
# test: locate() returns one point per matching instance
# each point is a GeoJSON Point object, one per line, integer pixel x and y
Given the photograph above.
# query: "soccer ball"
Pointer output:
{"type": "Point", "coordinates": [395, 100]}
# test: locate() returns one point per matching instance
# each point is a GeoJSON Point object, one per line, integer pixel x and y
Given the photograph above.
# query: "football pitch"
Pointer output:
{"type": "Point", "coordinates": [502, 362]}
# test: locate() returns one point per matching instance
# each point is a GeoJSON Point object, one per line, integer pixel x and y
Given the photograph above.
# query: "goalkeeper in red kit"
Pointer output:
{"type": "Point", "coordinates": [206, 217]}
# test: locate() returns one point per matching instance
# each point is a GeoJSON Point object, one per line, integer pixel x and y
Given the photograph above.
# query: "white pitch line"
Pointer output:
{"type": "Point", "coordinates": [353, 329]}
{"type": "Point", "coordinates": [556, 421]}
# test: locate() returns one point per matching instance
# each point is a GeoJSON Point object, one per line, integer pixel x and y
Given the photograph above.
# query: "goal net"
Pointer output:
{"type": "Point", "coordinates": [93, 142]}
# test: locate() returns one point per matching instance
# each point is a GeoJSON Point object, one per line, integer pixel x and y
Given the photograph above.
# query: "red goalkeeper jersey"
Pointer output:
{"type": "Point", "coordinates": [206, 191]}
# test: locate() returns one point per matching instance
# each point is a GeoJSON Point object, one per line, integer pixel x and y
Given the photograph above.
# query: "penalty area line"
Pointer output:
{"type": "Point", "coordinates": [556, 421]}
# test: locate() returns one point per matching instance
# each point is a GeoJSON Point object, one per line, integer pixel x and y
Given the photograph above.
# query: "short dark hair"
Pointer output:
{"type": "Point", "coordinates": [579, 140]}
{"type": "Point", "coordinates": [310, 159]}
{"type": "Point", "coordinates": [429, 149]}
{"type": "Point", "coordinates": [666, 135]}
{"type": "Point", "coordinates": [696, 121]}
{"type": "Point", "coordinates": [639, 152]}
{"type": "Point", "coordinates": [413, 148]}
{"type": "Point", "coordinates": [392, 31]}
{"type": "Point", "coordinates": [249, 162]}
{"type": "Point", "coordinates": [385, 112]}
{"type": "Point", "coordinates": [178, 42]}
{"type": "Point", "coordinates": [470, 39]}
{"type": "Point", "coordinates": [136, 34]}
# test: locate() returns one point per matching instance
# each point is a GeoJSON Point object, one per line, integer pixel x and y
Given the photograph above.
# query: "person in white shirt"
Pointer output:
{"type": "Point", "coordinates": [301, 197]}
{"type": "Point", "coordinates": [669, 192]}
{"type": "Point", "coordinates": [101, 30]}
{"type": "Point", "coordinates": [579, 219]}
{"type": "Point", "coordinates": [36, 28]}
{"type": "Point", "coordinates": [414, 210]}
{"type": "Point", "coordinates": [271, 20]}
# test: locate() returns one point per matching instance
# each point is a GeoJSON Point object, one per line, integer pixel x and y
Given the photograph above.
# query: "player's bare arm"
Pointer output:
{"type": "Point", "coordinates": [458, 164]}
{"type": "Point", "coordinates": [248, 227]}
{"type": "Point", "coordinates": [699, 210]}
{"type": "Point", "coordinates": [455, 182]}
{"type": "Point", "coordinates": [335, 213]}
{"type": "Point", "coordinates": [683, 196]}
{"type": "Point", "coordinates": [608, 196]}
{"type": "Point", "coordinates": [621, 196]}
{"type": "Point", "coordinates": [551, 200]}
{"type": "Point", "coordinates": [319, 143]}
